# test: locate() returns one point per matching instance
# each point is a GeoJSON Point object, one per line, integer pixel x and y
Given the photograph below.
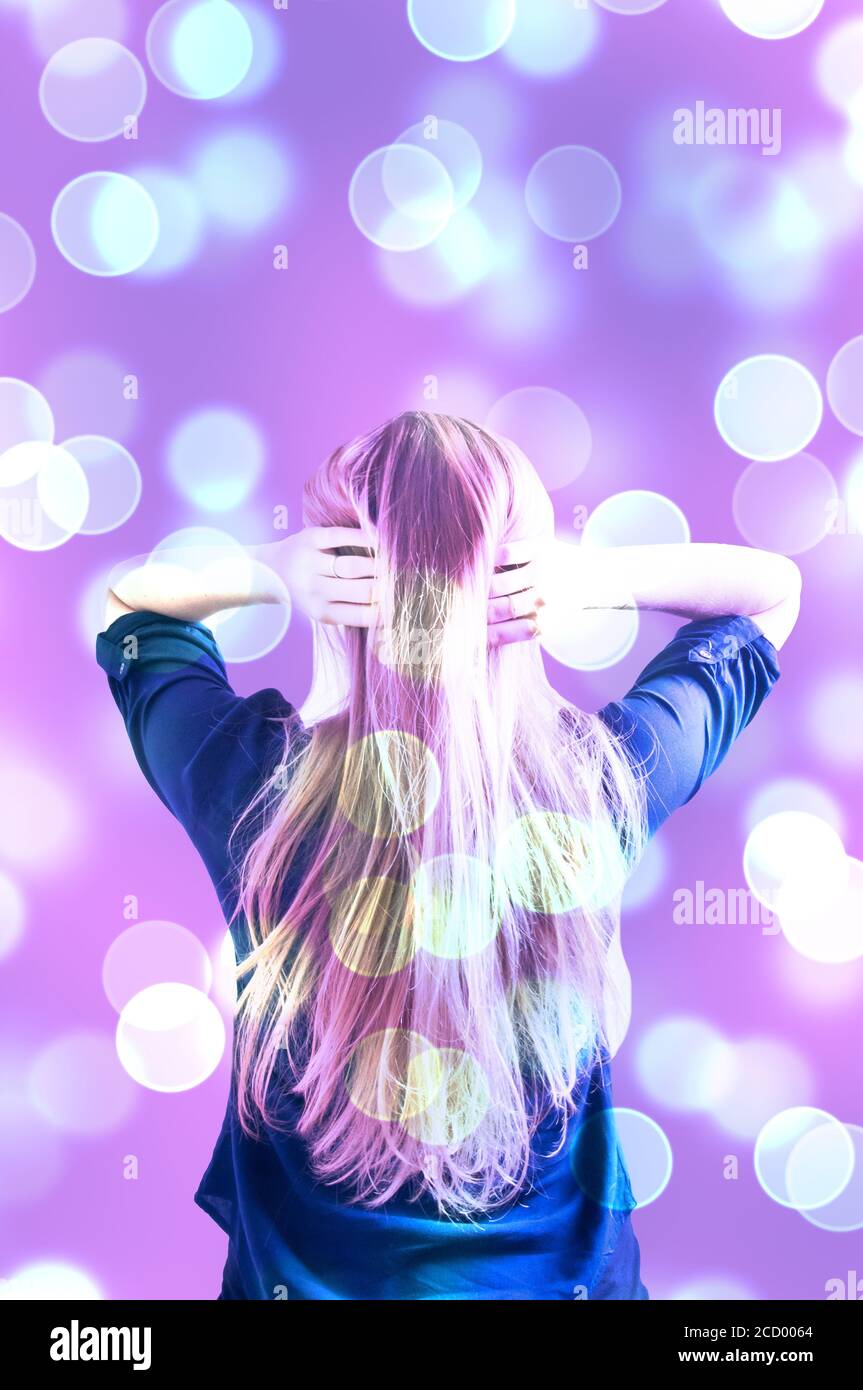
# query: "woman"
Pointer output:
{"type": "Point", "coordinates": [423, 875]}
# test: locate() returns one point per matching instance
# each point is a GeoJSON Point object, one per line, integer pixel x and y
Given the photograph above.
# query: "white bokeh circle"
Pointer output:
{"type": "Point", "coordinates": [768, 407]}
{"type": "Point", "coordinates": [401, 197]}
{"type": "Point", "coordinates": [772, 19]}
{"type": "Point", "coordinates": [170, 1037]}
{"type": "Point", "coordinates": [573, 193]}
{"type": "Point", "coordinates": [92, 89]}
{"type": "Point", "coordinates": [17, 263]}
{"type": "Point", "coordinates": [462, 31]}
{"type": "Point", "coordinates": [785, 505]}
{"type": "Point", "coordinates": [201, 49]}
{"type": "Point", "coordinates": [845, 384]}
{"type": "Point", "coordinates": [44, 496]}
{"type": "Point", "coordinates": [113, 478]}
{"type": "Point", "coordinates": [105, 223]}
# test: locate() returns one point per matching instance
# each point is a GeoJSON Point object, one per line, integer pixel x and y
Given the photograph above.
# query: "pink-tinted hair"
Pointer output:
{"type": "Point", "coordinates": [433, 880]}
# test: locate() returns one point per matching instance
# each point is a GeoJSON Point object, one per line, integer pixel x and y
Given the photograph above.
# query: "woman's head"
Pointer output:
{"type": "Point", "coordinates": [470, 490]}
{"type": "Point", "coordinates": [437, 497]}
{"type": "Point", "coordinates": [432, 891]}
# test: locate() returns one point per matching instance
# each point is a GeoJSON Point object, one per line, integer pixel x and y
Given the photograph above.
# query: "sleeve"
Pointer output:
{"type": "Point", "coordinates": [204, 749]}
{"type": "Point", "coordinates": [689, 705]}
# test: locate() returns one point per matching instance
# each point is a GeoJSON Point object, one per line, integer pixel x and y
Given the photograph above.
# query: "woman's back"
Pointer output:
{"type": "Point", "coordinates": [566, 1232]}
{"type": "Point", "coordinates": [424, 883]}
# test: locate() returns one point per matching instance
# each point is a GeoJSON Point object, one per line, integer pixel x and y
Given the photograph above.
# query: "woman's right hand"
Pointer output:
{"type": "Point", "coordinates": [327, 587]}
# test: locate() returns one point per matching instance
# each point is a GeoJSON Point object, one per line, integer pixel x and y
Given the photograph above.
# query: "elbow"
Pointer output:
{"type": "Point", "coordinates": [794, 579]}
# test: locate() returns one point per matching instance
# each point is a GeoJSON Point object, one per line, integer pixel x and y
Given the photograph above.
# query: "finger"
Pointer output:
{"type": "Point", "coordinates": [520, 551]}
{"type": "Point", "coordinates": [518, 630]}
{"type": "Point", "coordinates": [349, 614]}
{"type": "Point", "coordinates": [345, 566]}
{"type": "Point", "coordinates": [346, 590]}
{"type": "Point", "coordinates": [329, 537]}
{"type": "Point", "coordinates": [513, 581]}
{"type": "Point", "coordinates": [503, 610]}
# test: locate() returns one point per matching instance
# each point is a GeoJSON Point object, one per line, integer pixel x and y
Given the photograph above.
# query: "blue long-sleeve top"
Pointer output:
{"type": "Point", "coordinates": [205, 751]}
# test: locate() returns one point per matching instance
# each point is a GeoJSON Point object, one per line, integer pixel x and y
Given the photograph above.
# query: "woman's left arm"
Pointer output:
{"type": "Point", "coordinates": [694, 581]}
{"type": "Point", "coordinates": [194, 582]}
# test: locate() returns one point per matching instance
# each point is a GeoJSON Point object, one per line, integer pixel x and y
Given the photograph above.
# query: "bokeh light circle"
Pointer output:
{"type": "Point", "coordinates": [684, 1063]}
{"type": "Point", "coordinates": [445, 1121]}
{"type": "Point", "coordinates": [113, 478]}
{"type": "Point", "coordinates": [249, 633]}
{"type": "Point", "coordinates": [105, 223]}
{"type": "Point", "coordinates": [51, 1281]}
{"type": "Point", "coordinates": [242, 179]}
{"type": "Point", "coordinates": [31, 1152]}
{"type": "Point", "coordinates": [266, 51]}
{"type": "Point", "coordinates": [90, 393]}
{"type": "Point", "coordinates": [785, 505]}
{"type": "Point", "coordinates": [78, 1085]}
{"type": "Point", "coordinates": [401, 781]}
{"type": "Point", "coordinates": [181, 219]}
{"type": "Point", "coordinates": [17, 263]}
{"type": "Point", "coordinates": [839, 65]}
{"type": "Point", "coordinates": [766, 1076]}
{"type": "Point", "coordinates": [454, 147]}
{"type": "Point", "coordinates": [549, 38]}
{"type": "Point", "coordinates": [92, 89]}
{"type": "Point", "coordinates": [245, 633]}
{"type": "Point", "coordinates": [153, 953]}
{"type": "Point", "coordinates": [44, 496]}
{"type": "Point", "coordinates": [845, 383]}
{"type": "Point", "coordinates": [456, 915]}
{"type": "Point", "coordinates": [637, 517]}
{"type": "Point", "coordinates": [804, 1158]}
{"type": "Point", "coordinates": [25, 415]}
{"type": "Point", "coordinates": [834, 937]}
{"type": "Point", "coordinates": [573, 193]}
{"type": "Point", "coordinates": [630, 6]}
{"type": "Point", "coordinates": [772, 19]}
{"type": "Point", "coordinates": [647, 878]}
{"type": "Point", "coordinates": [794, 794]}
{"type": "Point", "coordinates": [795, 858]}
{"type": "Point", "coordinates": [170, 1037]}
{"type": "Point", "coordinates": [833, 718]}
{"type": "Point", "coordinates": [393, 1074]}
{"type": "Point", "coordinates": [584, 638]}
{"type": "Point", "coordinates": [644, 1147]}
{"type": "Point", "coordinates": [854, 495]}
{"type": "Point", "coordinates": [462, 30]}
{"type": "Point", "coordinates": [768, 407]}
{"type": "Point", "coordinates": [215, 458]}
{"type": "Point", "coordinates": [845, 1211]}
{"type": "Point", "coordinates": [199, 48]}
{"type": "Point", "coordinates": [549, 427]}
{"type": "Point", "coordinates": [371, 927]}
{"type": "Point", "coordinates": [12, 915]}
{"type": "Point", "coordinates": [38, 819]}
{"type": "Point", "coordinates": [459, 259]}
{"type": "Point", "coordinates": [552, 863]}
{"type": "Point", "coordinates": [401, 197]}
{"type": "Point", "coordinates": [55, 23]}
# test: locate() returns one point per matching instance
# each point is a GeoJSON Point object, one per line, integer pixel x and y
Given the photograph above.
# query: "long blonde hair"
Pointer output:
{"type": "Point", "coordinates": [432, 879]}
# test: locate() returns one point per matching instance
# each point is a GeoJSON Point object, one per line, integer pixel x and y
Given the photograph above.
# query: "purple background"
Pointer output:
{"type": "Point", "coordinates": [314, 355]}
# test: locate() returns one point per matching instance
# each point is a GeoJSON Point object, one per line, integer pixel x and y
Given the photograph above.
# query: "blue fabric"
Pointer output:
{"type": "Point", "coordinates": [205, 751]}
